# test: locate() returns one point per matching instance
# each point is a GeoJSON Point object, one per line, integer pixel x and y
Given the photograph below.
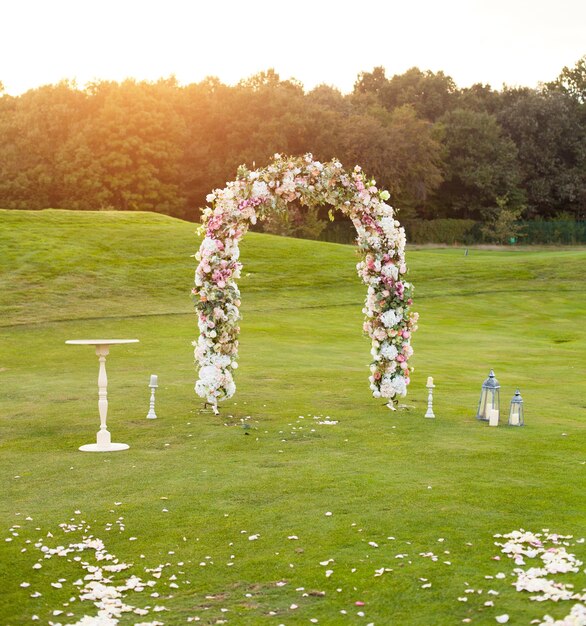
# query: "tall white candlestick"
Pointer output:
{"type": "Point", "coordinates": [153, 385]}
{"type": "Point", "coordinates": [493, 417]}
{"type": "Point", "coordinates": [430, 386]}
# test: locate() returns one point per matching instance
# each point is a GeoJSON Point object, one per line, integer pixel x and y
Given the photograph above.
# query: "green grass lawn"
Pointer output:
{"type": "Point", "coordinates": [194, 488]}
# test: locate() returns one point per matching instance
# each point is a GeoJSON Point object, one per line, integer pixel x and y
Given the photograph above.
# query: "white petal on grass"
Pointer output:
{"type": "Point", "coordinates": [502, 619]}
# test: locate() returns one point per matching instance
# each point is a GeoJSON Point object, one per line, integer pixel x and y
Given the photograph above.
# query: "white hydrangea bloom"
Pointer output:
{"type": "Point", "coordinates": [390, 271]}
{"type": "Point", "coordinates": [390, 318]}
{"type": "Point", "coordinates": [388, 351]}
{"type": "Point", "coordinates": [399, 385]}
{"type": "Point", "coordinates": [260, 189]}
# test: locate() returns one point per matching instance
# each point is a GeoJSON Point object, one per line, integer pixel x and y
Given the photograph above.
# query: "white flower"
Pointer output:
{"type": "Point", "coordinates": [260, 189]}
{"type": "Point", "coordinates": [221, 360]}
{"type": "Point", "coordinates": [388, 351]}
{"type": "Point", "coordinates": [390, 318]}
{"type": "Point", "coordinates": [398, 385]}
{"type": "Point", "coordinates": [390, 271]}
{"type": "Point", "coordinates": [387, 389]}
{"type": "Point", "coordinates": [388, 225]}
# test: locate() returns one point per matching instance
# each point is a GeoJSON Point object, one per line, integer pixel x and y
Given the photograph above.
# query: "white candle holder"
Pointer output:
{"type": "Point", "coordinates": [153, 385]}
{"type": "Point", "coordinates": [430, 387]}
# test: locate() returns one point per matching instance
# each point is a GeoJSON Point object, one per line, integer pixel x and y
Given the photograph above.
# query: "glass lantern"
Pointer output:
{"type": "Point", "coordinates": [489, 397]}
{"type": "Point", "coordinates": [516, 410]}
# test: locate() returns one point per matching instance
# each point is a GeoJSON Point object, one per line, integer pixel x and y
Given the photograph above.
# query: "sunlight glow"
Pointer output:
{"type": "Point", "coordinates": [517, 42]}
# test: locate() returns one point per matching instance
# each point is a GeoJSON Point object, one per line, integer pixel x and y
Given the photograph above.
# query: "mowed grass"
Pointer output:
{"type": "Point", "coordinates": [193, 487]}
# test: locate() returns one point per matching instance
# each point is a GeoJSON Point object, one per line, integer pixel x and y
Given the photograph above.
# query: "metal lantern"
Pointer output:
{"type": "Point", "coordinates": [489, 397]}
{"type": "Point", "coordinates": [516, 410]}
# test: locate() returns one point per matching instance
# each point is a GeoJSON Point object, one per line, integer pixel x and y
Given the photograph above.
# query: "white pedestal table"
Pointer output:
{"type": "Point", "coordinates": [103, 439]}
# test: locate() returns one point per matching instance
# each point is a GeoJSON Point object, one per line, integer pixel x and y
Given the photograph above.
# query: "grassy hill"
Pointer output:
{"type": "Point", "coordinates": [193, 488]}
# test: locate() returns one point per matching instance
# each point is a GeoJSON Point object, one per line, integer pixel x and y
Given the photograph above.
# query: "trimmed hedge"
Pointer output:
{"type": "Point", "coordinates": [446, 231]}
{"type": "Point", "coordinates": [468, 232]}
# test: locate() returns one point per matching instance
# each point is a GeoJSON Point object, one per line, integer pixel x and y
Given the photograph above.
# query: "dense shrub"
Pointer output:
{"type": "Point", "coordinates": [446, 231]}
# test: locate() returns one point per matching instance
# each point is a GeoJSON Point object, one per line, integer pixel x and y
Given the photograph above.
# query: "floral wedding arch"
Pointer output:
{"type": "Point", "coordinates": [381, 245]}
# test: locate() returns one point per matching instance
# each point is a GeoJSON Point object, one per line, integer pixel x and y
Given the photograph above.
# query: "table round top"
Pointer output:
{"type": "Point", "coordinates": [99, 342]}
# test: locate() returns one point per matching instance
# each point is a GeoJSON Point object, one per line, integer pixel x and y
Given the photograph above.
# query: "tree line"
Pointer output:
{"type": "Point", "coordinates": [441, 151]}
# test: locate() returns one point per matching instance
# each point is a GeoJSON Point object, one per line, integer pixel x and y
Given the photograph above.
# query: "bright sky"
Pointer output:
{"type": "Point", "coordinates": [517, 42]}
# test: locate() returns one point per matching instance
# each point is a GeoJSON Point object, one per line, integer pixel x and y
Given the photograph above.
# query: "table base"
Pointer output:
{"type": "Point", "coordinates": [112, 447]}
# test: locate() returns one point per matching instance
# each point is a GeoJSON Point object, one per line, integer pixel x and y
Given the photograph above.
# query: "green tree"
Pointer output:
{"type": "Point", "coordinates": [34, 128]}
{"type": "Point", "coordinates": [127, 154]}
{"type": "Point", "coordinates": [502, 224]}
{"type": "Point", "coordinates": [572, 81]}
{"type": "Point", "coordinates": [480, 98]}
{"type": "Point", "coordinates": [481, 165]}
{"type": "Point", "coordinates": [417, 159]}
{"type": "Point", "coordinates": [430, 94]}
{"type": "Point", "coordinates": [549, 131]}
